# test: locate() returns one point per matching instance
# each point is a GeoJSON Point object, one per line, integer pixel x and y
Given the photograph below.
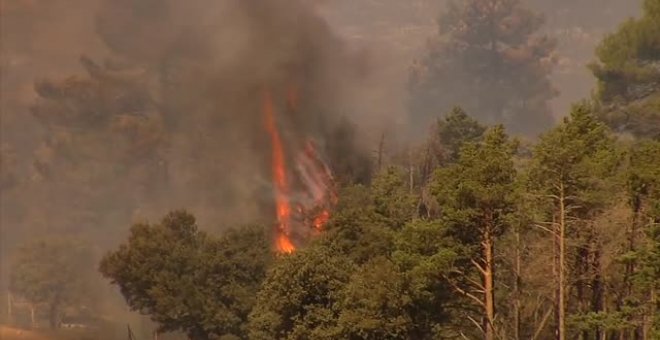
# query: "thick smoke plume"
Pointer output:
{"type": "Point", "coordinates": [210, 61]}
{"type": "Point", "coordinates": [138, 107]}
{"type": "Point", "coordinates": [174, 98]}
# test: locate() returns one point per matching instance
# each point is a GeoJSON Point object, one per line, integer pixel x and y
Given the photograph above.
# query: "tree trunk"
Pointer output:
{"type": "Point", "coordinates": [648, 322]}
{"type": "Point", "coordinates": [516, 288]}
{"type": "Point", "coordinates": [581, 273]}
{"type": "Point", "coordinates": [562, 265]}
{"type": "Point", "coordinates": [597, 303]}
{"type": "Point", "coordinates": [489, 291]}
{"type": "Point", "coordinates": [631, 265]}
{"type": "Point", "coordinates": [555, 270]}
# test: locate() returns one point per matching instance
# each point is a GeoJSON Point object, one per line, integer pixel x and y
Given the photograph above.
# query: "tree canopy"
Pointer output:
{"type": "Point", "coordinates": [186, 280]}
{"type": "Point", "coordinates": [628, 74]}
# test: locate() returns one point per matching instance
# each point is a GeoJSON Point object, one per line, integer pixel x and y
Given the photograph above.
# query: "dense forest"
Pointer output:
{"type": "Point", "coordinates": [209, 172]}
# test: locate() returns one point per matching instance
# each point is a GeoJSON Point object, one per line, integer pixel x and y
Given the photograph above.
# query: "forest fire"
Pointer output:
{"type": "Point", "coordinates": [314, 196]}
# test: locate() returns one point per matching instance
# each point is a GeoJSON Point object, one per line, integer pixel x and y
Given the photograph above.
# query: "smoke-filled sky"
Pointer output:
{"type": "Point", "coordinates": [163, 111]}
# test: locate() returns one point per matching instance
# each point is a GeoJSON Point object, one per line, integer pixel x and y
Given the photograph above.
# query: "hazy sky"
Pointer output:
{"type": "Point", "coordinates": [396, 32]}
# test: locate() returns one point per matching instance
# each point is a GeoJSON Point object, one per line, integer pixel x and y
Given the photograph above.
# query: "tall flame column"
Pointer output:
{"type": "Point", "coordinates": [283, 242]}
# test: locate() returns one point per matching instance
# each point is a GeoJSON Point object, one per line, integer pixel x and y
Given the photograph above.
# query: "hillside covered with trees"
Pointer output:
{"type": "Point", "coordinates": [493, 221]}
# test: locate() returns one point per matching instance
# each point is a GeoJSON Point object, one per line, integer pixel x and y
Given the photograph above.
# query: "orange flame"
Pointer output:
{"type": "Point", "coordinates": [321, 220]}
{"type": "Point", "coordinates": [318, 194]}
{"type": "Point", "coordinates": [283, 207]}
{"type": "Point", "coordinates": [283, 244]}
{"type": "Point", "coordinates": [319, 183]}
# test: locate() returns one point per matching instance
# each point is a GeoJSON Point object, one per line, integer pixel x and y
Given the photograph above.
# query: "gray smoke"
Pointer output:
{"type": "Point", "coordinates": [120, 110]}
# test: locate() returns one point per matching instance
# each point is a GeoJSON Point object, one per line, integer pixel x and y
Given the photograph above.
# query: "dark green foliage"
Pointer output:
{"type": "Point", "coordinates": [378, 303]}
{"type": "Point", "coordinates": [366, 278]}
{"type": "Point", "coordinates": [476, 199]}
{"type": "Point", "coordinates": [574, 179]}
{"type": "Point", "coordinates": [456, 129]}
{"type": "Point", "coordinates": [355, 229]}
{"type": "Point", "coordinates": [644, 178]}
{"type": "Point", "coordinates": [628, 73]}
{"type": "Point", "coordinates": [429, 258]}
{"type": "Point", "coordinates": [581, 154]}
{"type": "Point", "coordinates": [627, 57]}
{"type": "Point", "coordinates": [185, 280]}
{"type": "Point", "coordinates": [365, 222]}
{"type": "Point", "coordinates": [481, 183]}
{"type": "Point", "coordinates": [392, 201]}
{"type": "Point", "coordinates": [644, 200]}
{"type": "Point", "coordinates": [299, 299]}
{"type": "Point", "coordinates": [651, 274]}
{"type": "Point", "coordinates": [443, 147]}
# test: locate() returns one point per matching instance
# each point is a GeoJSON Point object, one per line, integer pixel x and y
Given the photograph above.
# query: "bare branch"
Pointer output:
{"type": "Point", "coordinates": [477, 284]}
{"type": "Point", "coordinates": [558, 187]}
{"type": "Point", "coordinates": [548, 223]}
{"type": "Point", "coordinates": [468, 294]}
{"type": "Point", "coordinates": [479, 267]}
{"type": "Point", "coordinates": [544, 228]}
{"type": "Point", "coordinates": [544, 196]}
{"type": "Point", "coordinates": [542, 324]}
{"type": "Point", "coordinates": [476, 323]}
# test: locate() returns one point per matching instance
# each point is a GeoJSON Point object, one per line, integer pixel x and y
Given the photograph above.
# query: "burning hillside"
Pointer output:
{"type": "Point", "coordinates": [169, 109]}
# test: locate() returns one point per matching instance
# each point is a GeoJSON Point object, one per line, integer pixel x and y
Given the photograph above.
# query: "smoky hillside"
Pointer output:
{"type": "Point", "coordinates": [312, 149]}
{"type": "Point", "coordinates": [186, 129]}
{"type": "Point", "coordinates": [134, 107]}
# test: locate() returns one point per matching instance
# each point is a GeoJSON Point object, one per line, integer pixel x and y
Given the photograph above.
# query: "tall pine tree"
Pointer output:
{"type": "Point", "coordinates": [476, 199]}
{"type": "Point", "coordinates": [570, 173]}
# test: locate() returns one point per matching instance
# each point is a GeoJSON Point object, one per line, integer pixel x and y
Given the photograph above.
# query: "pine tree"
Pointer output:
{"type": "Point", "coordinates": [642, 260]}
{"type": "Point", "coordinates": [488, 59]}
{"type": "Point", "coordinates": [628, 74]}
{"type": "Point", "coordinates": [476, 199]}
{"type": "Point", "coordinates": [456, 129]}
{"type": "Point", "coordinates": [572, 167]}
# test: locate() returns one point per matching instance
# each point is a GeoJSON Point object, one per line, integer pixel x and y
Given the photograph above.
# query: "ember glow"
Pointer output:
{"type": "Point", "coordinates": [314, 194]}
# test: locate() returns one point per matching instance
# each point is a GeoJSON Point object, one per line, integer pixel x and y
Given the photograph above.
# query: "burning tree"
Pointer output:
{"type": "Point", "coordinates": [301, 206]}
